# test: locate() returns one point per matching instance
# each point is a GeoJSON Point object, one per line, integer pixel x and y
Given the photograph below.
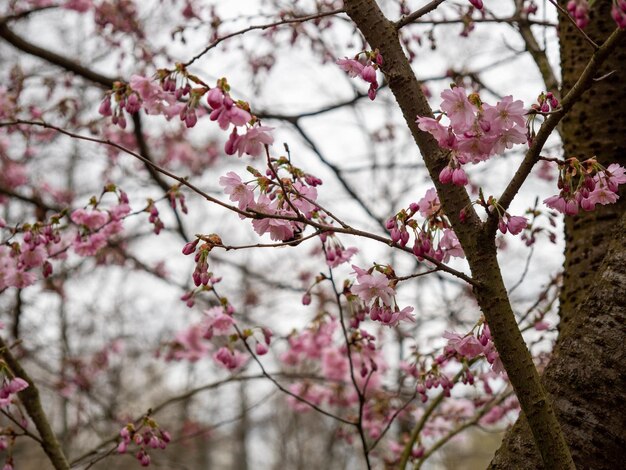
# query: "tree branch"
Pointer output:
{"type": "Point", "coordinates": [478, 244]}
{"type": "Point", "coordinates": [30, 399]}
{"type": "Point", "coordinates": [532, 156]}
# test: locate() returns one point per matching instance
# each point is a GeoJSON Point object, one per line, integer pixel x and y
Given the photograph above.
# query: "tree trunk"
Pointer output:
{"type": "Point", "coordinates": [586, 373]}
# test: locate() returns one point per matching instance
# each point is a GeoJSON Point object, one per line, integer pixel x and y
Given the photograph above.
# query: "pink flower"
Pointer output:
{"type": "Point", "coordinates": [17, 385]}
{"type": "Point", "coordinates": [252, 142]}
{"type": "Point", "coordinates": [615, 176]}
{"type": "Point", "coordinates": [230, 359]}
{"type": "Point", "coordinates": [602, 195]}
{"type": "Point", "coordinates": [450, 245]}
{"type": "Point", "coordinates": [105, 106]}
{"type": "Point", "coordinates": [302, 204]}
{"type": "Point", "coordinates": [467, 346]}
{"type": "Point", "coordinates": [122, 447]}
{"type": "Point", "coordinates": [559, 203]}
{"type": "Point", "coordinates": [222, 323]}
{"type": "Point", "coordinates": [476, 147]}
{"type": "Point", "coordinates": [279, 229]}
{"type": "Point", "coordinates": [390, 317]}
{"type": "Point", "coordinates": [339, 256]}
{"type": "Point", "coordinates": [513, 224]}
{"type": "Point", "coordinates": [506, 113]}
{"type": "Point", "coordinates": [238, 190]}
{"type": "Point", "coordinates": [227, 112]}
{"type": "Point", "coordinates": [509, 137]}
{"type": "Point", "coordinates": [93, 219]}
{"type": "Point", "coordinates": [516, 224]}
{"type": "Point", "coordinates": [154, 99]}
{"type": "Point", "coordinates": [18, 278]}
{"type": "Point", "coordinates": [371, 286]}
{"type": "Point", "coordinates": [89, 245]}
{"type": "Point", "coordinates": [556, 202]}
{"type": "Point", "coordinates": [458, 108]}
{"type": "Point", "coordinates": [215, 97]}
{"type": "Point", "coordinates": [147, 88]}
{"type": "Point", "coordinates": [351, 66]}
{"type": "Point", "coordinates": [33, 256]}
{"type": "Point", "coordinates": [441, 133]}
{"type": "Point", "coordinates": [429, 204]}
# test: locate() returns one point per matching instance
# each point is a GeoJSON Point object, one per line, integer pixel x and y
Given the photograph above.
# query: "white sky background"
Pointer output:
{"type": "Point", "coordinates": [298, 82]}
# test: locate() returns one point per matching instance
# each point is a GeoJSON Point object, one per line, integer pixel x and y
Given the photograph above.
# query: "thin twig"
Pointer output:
{"type": "Point", "coordinates": [410, 18]}
{"type": "Point", "coordinates": [573, 21]}
{"type": "Point", "coordinates": [299, 19]}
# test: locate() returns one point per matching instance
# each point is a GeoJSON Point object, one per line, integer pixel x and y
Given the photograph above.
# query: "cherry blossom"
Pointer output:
{"type": "Point", "coordinates": [374, 285]}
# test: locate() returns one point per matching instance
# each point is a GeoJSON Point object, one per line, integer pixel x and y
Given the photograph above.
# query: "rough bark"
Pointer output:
{"type": "Point", "coordinates": [586, 374]}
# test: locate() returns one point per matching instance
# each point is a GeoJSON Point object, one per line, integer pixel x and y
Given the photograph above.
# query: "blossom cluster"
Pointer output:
{"type": "Point", "coordinates": [334, 251]}
{"type": "Point", "coordinates": [434, 238]}
{"type": "Point", "coordinates": [317, 345]}
{"type": "Point", "coordinates": [178, 93]}
{"type": "Point", "coordinates": [375, 287]}
{"type": "Point", "coordinates": [10, 387]}
{"type": "Point", "coordinates": [281, 199]}
{"type": "Point", "coordinates": [148, 436]}
{"type": "Point", "coordinates": [585, 184]}
{"type": "Point", "coordinates": [31, 248]}
{"type": "Point", "coordinates": [476, 130]}
{"type": "Point", "coordinates": [618, 13]}
{"type": "Point", "coordinates": [579, 11]}
{"type": "Point", "coordinates": [470, 346]}
{"type": "Point", "coordinates": [97, 226]}
{"type": "Point", "coordinates": [18, 261]}
{"type": "Point", "coordinates": [460, 349]}
{"type": "Point", "coordinates": [216, 333]}
{"type": "Point", "coordinates": [364, 65]}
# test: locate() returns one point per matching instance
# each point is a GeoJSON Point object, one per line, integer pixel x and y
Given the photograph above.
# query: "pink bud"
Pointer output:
{"type": "Point", "coordinates": [371, 93]}
{"type": "Point", "coordinates": [459, 178]}
{"type": "Point", "coordinates": [369, 74]}
{"type": "Point", "coordinates": [445, 176]}
{"type": "Point", "coordinates": [261, 349]}
{"type": "Point", "coordinates": [502, 226]}
{"type": "Point", "coordinates": [190, 247]}
{"type": "Point", "coordinates": [191, 119]}
{"type": "Point", "coordinates": [105, 106]}
{"type": "Point", "coordinates": [46, 269]}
